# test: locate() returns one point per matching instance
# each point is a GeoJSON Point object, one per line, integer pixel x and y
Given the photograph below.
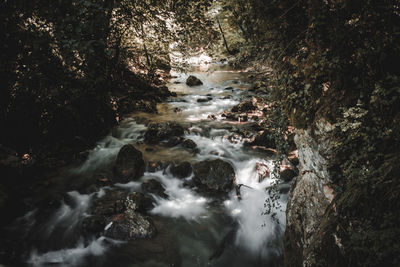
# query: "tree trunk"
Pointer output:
{"type": "Point", "coordinates": [223, 37]}
{"type": "Point", "coordinates": [146, 52]}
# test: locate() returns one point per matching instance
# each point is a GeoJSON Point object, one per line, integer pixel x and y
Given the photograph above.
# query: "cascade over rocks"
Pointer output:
{"type": "Point", "coordinates": [153, 186]}
{"type": "Point", "coordinates": [214, 175]}
{"type": "Point", "coordinates": [193, 81]}
{"type": "Point", "coordinates": [118, 215]}
{"type": "Point", "coordinates": [129, 164]}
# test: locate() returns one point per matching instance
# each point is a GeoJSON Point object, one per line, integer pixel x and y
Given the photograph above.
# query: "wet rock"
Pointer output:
{"type": "Point", "coordinates": [193, 81]}
{"type": "Point", "coordinates": [157, 132]}
{"type": "Point", "coordinates": [129, 164]}
{"type": "Point", "coordinates": [263, 171]}
{"type": "Point", "coordinates": [229, 88]}
{"type": "Point", "coordinates": [203, 100]}
{"type": "Point", "coordinates": [190, 144]}
{"type": "Point", "coordinates": [215, 153]}
{"type": "Point", "coordinates": [246, 106]}
{"type": "Point", "coordinates": [174, 141]}
{"type": "Point", "coordinates": [181, 170]}
{"type": "Point", "coordinates": [177, 110]}
{"type": "Point", "coordinates": [287, 174]}
{"type": "Point", "coordinates": [162, 250]}
{"type": "Point", "coordinates": [234, 138]}
{"type": "Point", "coordinates": [130, 226]}
{"type": "Point", "coordinates": [211, 117]}
{"type": "Point", "coordinates": [153, 186]}
{"type": "Point", "coordinates": [214, 175]}
{"type": "Point", "coordinates": [117, 215]}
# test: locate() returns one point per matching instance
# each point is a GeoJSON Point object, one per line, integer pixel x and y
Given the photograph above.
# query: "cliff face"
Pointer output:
{"type": "Point", "coordinates": [311, 194]}
{"type": "Point", "coordinates": [350, 220]}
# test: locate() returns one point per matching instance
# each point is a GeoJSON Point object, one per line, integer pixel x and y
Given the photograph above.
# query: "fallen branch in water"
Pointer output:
{"type": "Point", "coordinates": [237, 188]}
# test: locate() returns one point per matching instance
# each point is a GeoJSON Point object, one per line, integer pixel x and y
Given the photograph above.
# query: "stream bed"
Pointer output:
{"type": "Point", "coordinates": [193, 229]}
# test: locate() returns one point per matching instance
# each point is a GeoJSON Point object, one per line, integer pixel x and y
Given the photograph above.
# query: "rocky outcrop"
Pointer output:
{"type": "Point", "coordinates": [193, 81]}
{"type": "Point", "coordinates": [310, 194]}
{"type": "Point", "coordinates": [129, 164]}
{"type": "Point", "coordinates": [214, 175]}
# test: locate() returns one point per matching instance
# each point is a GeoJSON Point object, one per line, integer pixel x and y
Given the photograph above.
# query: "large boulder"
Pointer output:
{"type": "Point", "coordinates": [118, 215]}
{"type": "Point", "coordinates": [158, 132]}
{"type": "Point", "coordinates": [181, 170]}
{"type": "Point", "coordinates": [193, 81]}
{"type": "Point", "coordinates": [129, 164]}
{"type": "Point", "coordinates": [214, 175]}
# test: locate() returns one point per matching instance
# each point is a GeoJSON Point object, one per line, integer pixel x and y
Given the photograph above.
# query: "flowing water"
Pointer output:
{"type": "Point", "coordinates": [191, 226]}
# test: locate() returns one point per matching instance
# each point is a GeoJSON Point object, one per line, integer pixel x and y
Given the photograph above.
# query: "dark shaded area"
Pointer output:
{"type": "Point", "coordinates": [71, 70]}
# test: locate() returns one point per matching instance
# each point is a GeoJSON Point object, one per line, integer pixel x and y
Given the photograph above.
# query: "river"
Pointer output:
{"type": "Point", "coordinates": [191, 226]}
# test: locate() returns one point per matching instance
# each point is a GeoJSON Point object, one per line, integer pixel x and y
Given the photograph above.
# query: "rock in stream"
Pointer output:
{"type": "Point", "coordinates": [214, 175]}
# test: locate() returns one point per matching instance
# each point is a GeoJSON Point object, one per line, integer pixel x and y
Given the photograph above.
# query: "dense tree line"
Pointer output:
{"type": "Point", "coordinates": [64, 63]}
